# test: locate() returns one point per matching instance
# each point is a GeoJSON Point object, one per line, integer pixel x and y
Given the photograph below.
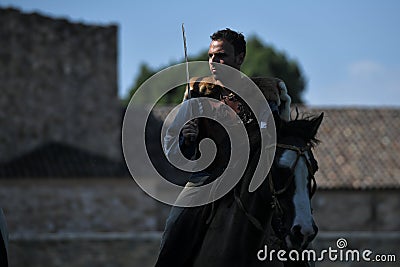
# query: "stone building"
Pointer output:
{"type": "Point", "coordinates": [359, 174]}
{"type": "Point", "coordinates": [58, 83]}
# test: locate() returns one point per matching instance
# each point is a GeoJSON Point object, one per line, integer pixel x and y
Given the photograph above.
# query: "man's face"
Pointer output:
{"type": "Point", "coordinates": [223, 52]}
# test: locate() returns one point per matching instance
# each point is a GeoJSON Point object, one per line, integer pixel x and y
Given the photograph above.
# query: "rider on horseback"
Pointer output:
{"type": "Point", "coordinates": [186, 226]}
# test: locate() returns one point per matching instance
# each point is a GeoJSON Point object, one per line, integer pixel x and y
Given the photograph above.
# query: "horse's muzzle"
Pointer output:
{"type": "Point", "coordinates": [298, 239]}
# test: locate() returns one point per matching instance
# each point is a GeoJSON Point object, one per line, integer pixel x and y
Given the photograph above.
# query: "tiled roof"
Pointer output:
{"type": "Point", "coordinates": [359, 149]}
{"type": "Point", "coordinates": [59, 160]}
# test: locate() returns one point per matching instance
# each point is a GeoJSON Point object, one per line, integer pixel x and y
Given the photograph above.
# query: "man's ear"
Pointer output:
{"type": "Point", "coordinates": [240, 58]}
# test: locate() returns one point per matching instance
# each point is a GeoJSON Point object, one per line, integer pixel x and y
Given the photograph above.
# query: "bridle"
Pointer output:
{"type": "Point", "coordinates": [275, 194]}
{"type": "Point", "coordinates": [275, 204]}
{"type": "Point", "coordinates": [300, 152]}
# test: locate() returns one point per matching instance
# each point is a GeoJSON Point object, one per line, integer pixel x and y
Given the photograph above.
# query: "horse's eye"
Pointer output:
{"type": "Point", "coordinates": [284, 170]}
{"type": "Point", "coordinates": [282, 177]}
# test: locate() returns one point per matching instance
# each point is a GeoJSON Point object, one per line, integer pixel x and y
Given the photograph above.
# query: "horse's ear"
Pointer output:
{"type": "Point", "coordinates": [315, 124]}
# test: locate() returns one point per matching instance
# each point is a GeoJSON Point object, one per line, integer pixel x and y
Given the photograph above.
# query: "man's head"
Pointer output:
{"type": "Point", "coordinates": [227, 47]}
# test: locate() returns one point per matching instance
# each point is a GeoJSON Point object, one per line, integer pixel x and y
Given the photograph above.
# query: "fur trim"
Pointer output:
{"type": "Point", "coordinates": [274, 89]}
{"type": "Point", "coordinates": [204, 86]}
{"type": "Point", "coordinates": [268, 87]}
{"type": "Point", "coordinates": [285, 98]}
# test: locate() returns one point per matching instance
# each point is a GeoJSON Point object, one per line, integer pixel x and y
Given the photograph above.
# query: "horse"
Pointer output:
{"type": "Point", "coordinates": [243, 222]}
{"type": "Point", "coordinates": [232, 230]}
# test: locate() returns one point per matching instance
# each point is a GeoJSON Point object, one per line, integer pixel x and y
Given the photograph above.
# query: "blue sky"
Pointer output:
{"type": "Point", "coordinates": [348, 49]}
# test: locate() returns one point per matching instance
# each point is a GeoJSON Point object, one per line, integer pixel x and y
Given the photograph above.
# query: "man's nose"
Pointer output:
{"type": "Point", "coordinates": [213, 59]}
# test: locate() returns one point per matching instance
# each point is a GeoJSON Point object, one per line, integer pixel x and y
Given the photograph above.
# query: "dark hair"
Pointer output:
{"type": "Point", "coordinates": [234, 38]}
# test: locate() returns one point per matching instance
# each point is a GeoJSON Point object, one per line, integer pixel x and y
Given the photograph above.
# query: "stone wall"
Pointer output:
{"type": "Point", "coordinates": [357, 210]}
{"type": "Point", "coordinates": [140, 250]}
{"type": "Point", "coordinates": [37, 206]}
{"type": "Point", "coordinates": [81, 222]}
{"type": "Point", "coordinates": [116, 252]}
{"type": "Point", "coordinates": [119, 205]}
{"type": "Point", "coordinates": [112, 222]}
{"type": "Point", "coordinates": [58, 82]}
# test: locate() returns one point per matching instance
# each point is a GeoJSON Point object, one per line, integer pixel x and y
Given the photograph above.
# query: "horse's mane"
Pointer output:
{"type": "Point", "coordinates": [300, 127]}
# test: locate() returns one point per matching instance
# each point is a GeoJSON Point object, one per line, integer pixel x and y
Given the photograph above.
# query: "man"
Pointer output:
{"type": "Point", "coordinates": [185, 227]}
{"type": "Point", "coordinates": [229, 48]}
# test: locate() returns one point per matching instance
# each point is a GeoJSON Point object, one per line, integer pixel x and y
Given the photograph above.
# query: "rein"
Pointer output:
{"type": "Point", "coordinates": [275, 193]}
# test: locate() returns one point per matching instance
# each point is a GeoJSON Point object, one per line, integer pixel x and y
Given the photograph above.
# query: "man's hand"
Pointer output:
{"type": "Point", "coordinates": [190, 131]}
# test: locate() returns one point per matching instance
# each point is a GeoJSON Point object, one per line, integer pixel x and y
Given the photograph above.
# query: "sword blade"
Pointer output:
{"type": "Point", "coordinates": [186, 61]}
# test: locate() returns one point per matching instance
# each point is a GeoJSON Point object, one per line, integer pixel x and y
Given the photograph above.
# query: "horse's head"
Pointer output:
{"type": "Point", "coordinates": [292, 182]}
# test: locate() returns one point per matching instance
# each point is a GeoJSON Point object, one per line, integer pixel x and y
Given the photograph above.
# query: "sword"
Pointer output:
{"type": "Point", "coordinates": [189, 96]}
{"type": "Point", "coordinates": [187, 62]}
